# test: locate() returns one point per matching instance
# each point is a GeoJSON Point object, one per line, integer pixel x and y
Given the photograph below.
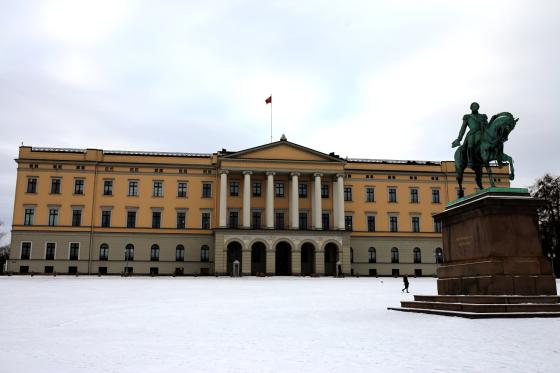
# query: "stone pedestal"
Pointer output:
{"type": "Point", "coordinates": [491, 246]}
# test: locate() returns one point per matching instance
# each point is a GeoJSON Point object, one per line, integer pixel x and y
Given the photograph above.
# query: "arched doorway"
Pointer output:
{"type": "Point", "coordinates": [331, 257]}
{"type": "Point", "coordinates": [283, 259]}
{"type": "Point", "coordinates": [307, 259]}
{"type": "Point", "coordinates": [234, 251]}
{"type": "Point", "coordinates": [258, 258]}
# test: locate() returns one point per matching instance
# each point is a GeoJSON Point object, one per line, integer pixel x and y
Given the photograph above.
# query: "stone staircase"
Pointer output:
{"type": "Point", "coordinates": [484, 306]}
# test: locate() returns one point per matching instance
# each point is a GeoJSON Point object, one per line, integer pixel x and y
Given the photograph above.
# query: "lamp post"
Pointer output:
{"type": "Point", "coordinates": [126, 258]}
{"type": "Point", "coordinates": [551, 256]}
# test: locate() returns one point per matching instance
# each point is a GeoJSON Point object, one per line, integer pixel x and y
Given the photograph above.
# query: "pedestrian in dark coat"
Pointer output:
{"type": "Point", "coordinates": [405, 281]}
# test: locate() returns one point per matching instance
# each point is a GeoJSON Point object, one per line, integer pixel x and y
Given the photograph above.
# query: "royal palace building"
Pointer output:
{"type": "Point", "coordinates": [277, 209]}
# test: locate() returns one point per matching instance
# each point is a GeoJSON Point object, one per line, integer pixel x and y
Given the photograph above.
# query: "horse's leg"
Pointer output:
{"type": "Point", "coordinates": [510, 161]}
{"type": "Point", "coordinates": [478, 173]}
{"type": "Point", "coordinates": [490, 176]}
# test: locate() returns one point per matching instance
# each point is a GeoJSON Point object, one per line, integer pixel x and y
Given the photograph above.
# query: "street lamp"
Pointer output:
{"type": "Point", "coordinates": [126, 258]}
{"type": "Point", "coordinates": [551, 256]}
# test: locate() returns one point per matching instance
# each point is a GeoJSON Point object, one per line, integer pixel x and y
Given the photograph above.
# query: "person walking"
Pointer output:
{"type": "Point", "coordinates": [405, 281]}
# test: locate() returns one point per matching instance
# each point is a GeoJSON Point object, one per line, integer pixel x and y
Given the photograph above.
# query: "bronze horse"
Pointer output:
{"type": "Point", "coordinates": [489, 148]}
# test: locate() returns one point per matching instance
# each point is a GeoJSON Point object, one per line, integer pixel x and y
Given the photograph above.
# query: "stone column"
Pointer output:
{"type": "Point", "coordinates": [335, 203]}
{"type": "Point", "coordinates": [246, 262]}
{"type": "Point", "coordinates": [320, 262]}
{"type": "Point", "coordinates": [270, 200]}
{"type": "Point", "coordinates": [340, 201]}
{"type": "Point", "coordinates": [317, 209]}
{"type": "Point", "coordinates": [294, 201]}
{"type": "Point", "coordinates": [270, 261]}
{"type": "Point", "coordinates": [247, 199]}
{"type": "Point", "coordinates": [296, 262]}
{"type": "Point", "coordinates": [223, 198]}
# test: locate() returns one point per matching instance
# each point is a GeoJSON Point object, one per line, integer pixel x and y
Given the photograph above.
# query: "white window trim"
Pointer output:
{"type": "Point", "coordinates": [30, 249]}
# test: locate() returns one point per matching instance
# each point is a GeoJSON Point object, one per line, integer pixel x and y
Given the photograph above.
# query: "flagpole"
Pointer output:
{"type": "Point", "coordinates": [271, 118]}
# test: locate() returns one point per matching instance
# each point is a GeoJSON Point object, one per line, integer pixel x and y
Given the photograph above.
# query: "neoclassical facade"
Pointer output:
{"type": "Point", "coordinates": [275, 209]}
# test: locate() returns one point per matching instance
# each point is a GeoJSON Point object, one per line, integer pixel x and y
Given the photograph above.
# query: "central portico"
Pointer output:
{"type": "Point", "coordinates": [270, 207]}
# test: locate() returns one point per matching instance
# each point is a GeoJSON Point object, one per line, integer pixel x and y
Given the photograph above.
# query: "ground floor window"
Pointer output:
{"type": "Point", "coordinates": [72, 270]}
{"type": "Point", "coordinates": [154, 271]}
{"type": "Point", "coordinates": [418, 272]}
{"type": "Point", "coordinates": [102, 270]}
{"type": "Point", "coordinates": [49, 269]}
{"type": "Point", "coordinates": [395, 272]}
{"type": "Point", "coordinates": [204, 253]}
{"type": "Point", "coordinates": [24, 269]}
{"type": "Point", "coordinates": [373, 272]}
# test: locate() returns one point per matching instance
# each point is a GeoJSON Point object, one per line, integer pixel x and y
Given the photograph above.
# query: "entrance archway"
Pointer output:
{"type": "Point", "coordinates": [258, 258]}
{"type": "Point", "coordinates": [307, 259]}
{"type": "Point", "coordinates": [331, 257]}
{"type": "Point", "coordinates": [283, 259]}
{"type": "Point", "coordinates": [234, 252]}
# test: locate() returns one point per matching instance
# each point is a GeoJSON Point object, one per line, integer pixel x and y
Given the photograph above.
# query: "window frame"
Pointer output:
{"type": "Point", "coordinates": [133, 188]}
{"type": "Point", "coordinates": [32, 182]}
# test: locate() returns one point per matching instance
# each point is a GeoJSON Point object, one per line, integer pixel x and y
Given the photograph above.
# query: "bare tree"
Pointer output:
{"type": "Point", "coordinates": [4, 250]}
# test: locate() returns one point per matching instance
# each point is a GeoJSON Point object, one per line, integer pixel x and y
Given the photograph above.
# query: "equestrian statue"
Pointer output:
{"type": "Point", "coordinates": [483, 144]}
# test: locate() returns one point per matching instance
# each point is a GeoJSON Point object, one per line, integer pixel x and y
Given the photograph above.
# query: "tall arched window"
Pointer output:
{"type": "Point", "coordinates": [204, 253]}
{"type": "Point", "coordinates": [180, 253]}
{"type": "Point", "coordinates": [104, 252]}
{"type": "Point", "coordinates": [372, 255]}
{"type": "Point", "coordinates": [154, 253]}
{"type": "Point", "coordinates": [417, 255]}
{"type": "Point", "coordinates": [129, 252]}
{"type": "Point", "coordinates": [439, 255]}
{"type": "Point", "coordinates": [394, 255]}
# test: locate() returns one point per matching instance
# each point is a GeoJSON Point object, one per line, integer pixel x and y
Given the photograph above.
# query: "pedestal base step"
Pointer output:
{"type": "Point", "coordinates": [484, 306]}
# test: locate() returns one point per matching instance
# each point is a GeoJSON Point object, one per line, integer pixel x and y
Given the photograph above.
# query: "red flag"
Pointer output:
{"type": "Point", "coordinates": [268, 100]}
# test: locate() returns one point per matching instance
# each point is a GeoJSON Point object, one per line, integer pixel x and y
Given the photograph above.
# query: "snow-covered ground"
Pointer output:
{"type": "Point", "coordinates": [79, 324]}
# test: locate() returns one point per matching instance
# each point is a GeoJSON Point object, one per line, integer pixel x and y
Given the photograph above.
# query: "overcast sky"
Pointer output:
{"type": "Point", "coordinates": [367, 79]}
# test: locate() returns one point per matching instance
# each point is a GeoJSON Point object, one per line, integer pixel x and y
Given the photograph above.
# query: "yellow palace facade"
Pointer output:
{"type": "Point", "coordinates": [275, 209]}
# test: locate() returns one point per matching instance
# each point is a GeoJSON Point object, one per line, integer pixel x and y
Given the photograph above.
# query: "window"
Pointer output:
{"type": "Point", "coordinates": [102, 270]}
{"type": "Point", "coordinates": [234, 219]}
{"type": "Point", "coordinates": [413, 195]}
{"type": "Point", "coordinates": [395, 272]}
{"type": "Point", "coordinates": [50, 251]}
{"type": "Point", "coordinates": [256, 220]}
{"type": "Point", "coordinates": [437, 226]}
{"type": "Point", "coordinates": [204, 253]}
{"type": "Point", "coordinates": [28, 216]}
{"type": "Point", "coordinates": [279, 220]}
{"type": "Point", "coordinates": [416, 224]}
{"type": "Point", "coordinates": [392, 194]}
{"type": "Point", "coordinates": [133, 188]}
{"type": "Point", "coordinates": [348, 193]}
{"type": "Point", "coordinates": [154, 253]}
{"type": "Point", "coordinates": [234, 189]}
{"type": "Point", "coordinates": [108, 188]}
{"type": "Point", "coordinates": [180, 253]}
{"type": "Point", "coordinates": [53, 217]}
{"type": "Point", "coordinates": [181, 219]}
{"type": "Point", "coordinates": [158, 189]}
{"type": "Point", "coordinates": [79, 186]}
{"type": "Point", "coordinates": [435, 195]}
{"type": "Point", "coordinates": [55, 186]}
{"type": "Point", "coordinates": [393, 224]}
{"type": "Point", "coordinates": [104, 252]}
{"type": "Point", "coordinates": [182, 189]}
{"type": "Point", "coordinates": [131, 219]}
{"type": "Point", "coordinates": [76, 217]}
{"type": "Point", "coordinates": [417, 255]}
{"type": "Point", "coordinates": [106, 218]}
{"type": "Point", "coordinates": [324, 190]}
{"type": "Point", "coordinates": [72, 270]}
{"type": "Point", "coordinates": [156, 219]}
{"type": "Point", "coordinates": [394, 255]}
{"type": "Point", "coordinates": [371, 223]}
{"type": "Point", "coordinates": [370, 195]}
{"type": "Point", "coordinates": [279, 188]}
{"type": "Point", "coordinates": [206, 190]}
{"type": "Point", "coordinates": [32, 185]}
{"type": "Point", "coordinates": [49, 269]}
{"type": "Point", "coordinates": [303, 220]}
{"type": "Point", "coordinates": [129, 252]}
{"type": "Point", "coordinates": [74, 251]}
{"type": "Point", "coordinates": [25, 250]}
{"type": "Point", "coordinates": [439, 255]}
{"type": "Point", "coordinates": [257, 189]}
{"type": "Point", "coordinates": [372, 255]}
{"type": "Point", "coordinates": [417, 272]}
{"type": "Point", "coordinates": [325, 219]}
{"type": "Point", "coordinates": [348, 222]}
{"type": "Point", "coordinates": [302, 190]}
{"type": "Point", "coordinates": [205, 219]}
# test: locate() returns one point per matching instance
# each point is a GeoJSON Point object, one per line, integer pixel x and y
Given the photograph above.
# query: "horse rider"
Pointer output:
{"type": "Point", "coordinates": [477, 123]}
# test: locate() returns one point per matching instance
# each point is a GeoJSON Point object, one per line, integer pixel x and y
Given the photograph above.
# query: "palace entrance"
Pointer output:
{"type": "Point", "coordinates": [258, 258]}
{"type": "Point", "coordinates": [234, 252]}
{"type": "Point", "coordinates": [307, 259]}
{"type": "Point", "coordinates": [283, 259]}
{"type": "Point", "coordinates": [331, 257]}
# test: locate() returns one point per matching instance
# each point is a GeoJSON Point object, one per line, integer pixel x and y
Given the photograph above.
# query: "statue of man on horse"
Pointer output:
{"type": "Point", "coordinates": [483, 144]}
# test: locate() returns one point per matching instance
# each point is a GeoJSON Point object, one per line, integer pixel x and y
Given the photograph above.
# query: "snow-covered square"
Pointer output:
{"type": "Point", "coordinates": [277, 324]}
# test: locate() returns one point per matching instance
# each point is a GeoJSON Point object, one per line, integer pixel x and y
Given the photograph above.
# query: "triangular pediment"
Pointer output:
{"type": "Point", "coordinates": [284, 150]}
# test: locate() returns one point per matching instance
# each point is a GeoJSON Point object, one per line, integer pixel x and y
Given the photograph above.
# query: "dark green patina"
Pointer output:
{"type": "Point", "coordinates": [492, 190]}
{"type": "Point", "coordinates": [483, 144]}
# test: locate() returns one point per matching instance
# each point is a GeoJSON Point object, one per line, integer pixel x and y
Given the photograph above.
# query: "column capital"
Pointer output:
{"type": "Point", "coordinates": [224, 172]}
{"type": "Point", "coordinates": [247, 172]}
{"type": "Point", "coordinates": [269, 173]}
{"type": "Point", "coordinates": [295, 174]}
{"type": "Point", "coordinates": [317, 174]}
{"type": "Point", "coordinates": [339, 175]}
